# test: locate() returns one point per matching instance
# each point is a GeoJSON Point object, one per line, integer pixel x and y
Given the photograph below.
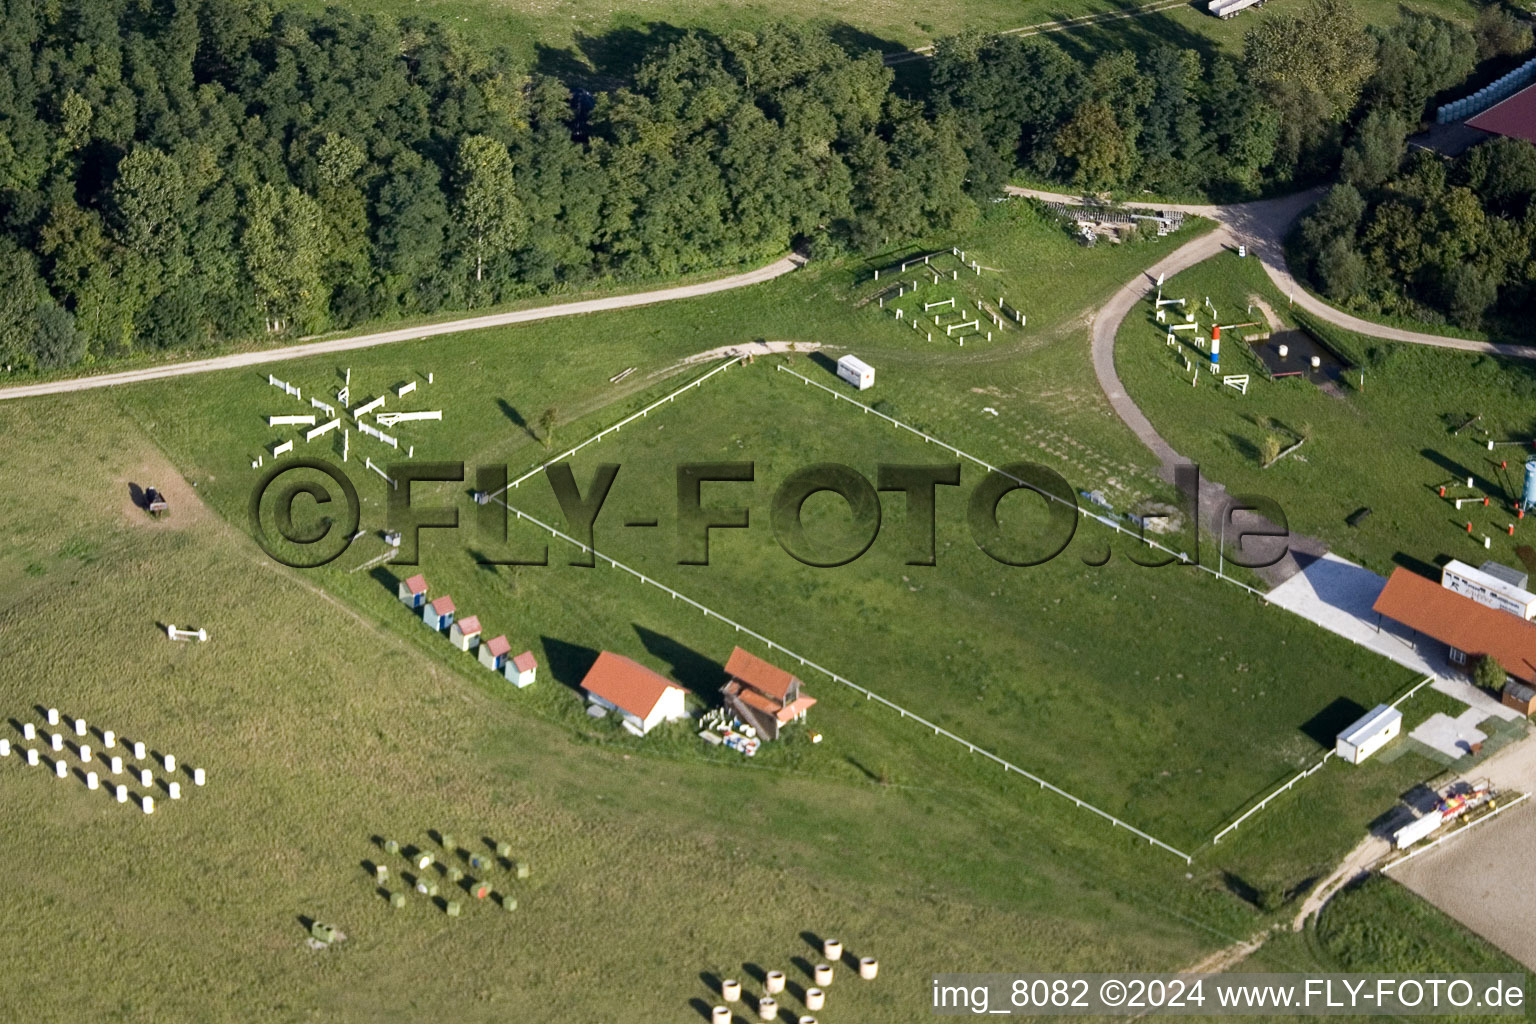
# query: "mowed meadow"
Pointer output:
{"type": "Point", "coordinates": [599, 41]}
{"type": "Point", "coordinates": [322, 724]}
{"type": "Point", "coordinates": [1162, 696]}
{"type": "Point", "coordinates": [1403, 421]}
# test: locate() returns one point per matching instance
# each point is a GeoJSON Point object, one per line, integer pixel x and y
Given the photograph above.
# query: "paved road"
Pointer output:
{"type": "Point", "coordinates": [1262, 226]}
{"type": "Point", "coordinates": [347, 344]}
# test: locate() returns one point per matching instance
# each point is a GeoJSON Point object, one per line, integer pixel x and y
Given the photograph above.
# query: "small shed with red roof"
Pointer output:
{"type": "Point", "coordinates": [413, 592]}
{"type": "Point", "coordinates": [438, 614]}
{"type": "Point", "coordinates": [522, 669]}
{"type": "Point", "coordinates": [465, 633]}
{"type": "Point", "coordinates": [493, 653]}
{"type": "Point", "coordinates": [643, 698]}
{"type": "Point", "coordinates": [762, 695]}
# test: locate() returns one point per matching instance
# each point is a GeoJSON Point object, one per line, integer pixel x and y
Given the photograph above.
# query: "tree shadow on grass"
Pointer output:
{"type": "Point", "coordinates": [619, 52]}
{"type": "Point", "coordinates": [516, 417]}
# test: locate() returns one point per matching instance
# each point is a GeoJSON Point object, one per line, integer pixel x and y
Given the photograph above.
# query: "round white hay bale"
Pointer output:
{"type": "Point", "coordinates": [823, 974]}
{"type": "Point", "coordinates": [775, 982]}
{"type": "Point", "coordinates": [768, 1008]}
{"type": "Point", "coordinates": [832, 949]}
{"type": "Point", "coordinates": [815, 999]}
{"type": "Point", "coordinates": [868, 967]}
{"type": "Point", "coordinates": [730, 990]}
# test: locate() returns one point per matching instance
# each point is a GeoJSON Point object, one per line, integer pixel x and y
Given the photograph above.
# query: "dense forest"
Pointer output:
{"type": "Point", "coordinates": [1409, 233]}
{"type": "Point", "coordinates": [1434, 240]}
{"type": "Point", "coordinates": [175, 173]}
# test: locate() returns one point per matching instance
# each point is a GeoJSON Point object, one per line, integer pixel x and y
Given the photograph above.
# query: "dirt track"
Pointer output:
{"type": "Point", "coordinates": [1478, 879]}
{"type": "Point", "coordinates": [356, 341]}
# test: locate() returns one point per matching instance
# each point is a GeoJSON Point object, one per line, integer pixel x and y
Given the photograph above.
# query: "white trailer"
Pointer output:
{"type": "Point", "coordinates": [1368, 735]}
{"type": "Point", "coordinates": [1488, 589]}
{"type": "Point", "coordinates": [856, 372]}
{"type": "Point", "coordinates": [1229, 8]}
{"type": "Point", "coordinates": [1416, 829]}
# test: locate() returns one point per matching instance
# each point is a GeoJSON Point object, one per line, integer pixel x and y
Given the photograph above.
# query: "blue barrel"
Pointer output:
{"type": "Point", "coordinates": [1528, 500]}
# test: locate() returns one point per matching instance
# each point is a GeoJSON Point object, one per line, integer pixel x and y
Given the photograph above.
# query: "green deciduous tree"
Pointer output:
{"type": "Point", "coordinates": [486, 208]}
{"type": "Point", "coordinates": [1500, 33]}
{"type": "Point", "coordinates": [283, 247]}
{"type": "Point", "coordinates": [1376, 150]}
{"type": "Point", "coordinates": [1488, 673]}
{"type": "Point", "coordinates": [1311, 65]}
{"type": "Point", "coordinates": [1096, 144]}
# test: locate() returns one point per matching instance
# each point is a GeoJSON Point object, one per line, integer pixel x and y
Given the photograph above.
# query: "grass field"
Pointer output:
{"type": "Point", "coordinates": [583, 40]}
{"type": "Point", "coordinates": [1388, 448]}
{"type": "Point", "coordinates": [1380, 926]}
{"type": "Point", "coordinates": [327, 715]}
{"type": "Point", "coordinates": [1047, 409]}
{"type": "Point", "coordinates": [321, 727]}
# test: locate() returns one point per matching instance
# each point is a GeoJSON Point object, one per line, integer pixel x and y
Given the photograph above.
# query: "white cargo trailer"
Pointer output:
{"type": "Point", "coordinates": [1416, 829]}
{"type": "Point", "coordinates": [1488, 589]}
{"type": "Point", "coordinates": [1230, 8]}
{"type": "Point", "coordinates": [1368, 735]}
{"type": "Point", "coordinates": [856, 372]}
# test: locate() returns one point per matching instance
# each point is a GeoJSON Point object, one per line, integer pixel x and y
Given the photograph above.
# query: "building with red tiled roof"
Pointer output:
{"type": "Point", "coordinates": [643, 698]}
{"type": "Point", "coordinates": [413, 592]}
{"type": "Point", "coordinates": [1468, 628]}
{"type": "Point", "coordinates": [1513, 118]}
{"type": "Point", "coordinates": [493, 653]}
{"type": "Point", "coordinates": [762, 695]}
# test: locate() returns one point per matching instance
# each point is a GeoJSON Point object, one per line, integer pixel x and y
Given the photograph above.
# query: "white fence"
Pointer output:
{"type": "Point", "coordinates": [1111, 523]}
{"type": "Point", "coordinates": [535, 471]}
{"type": "Point", "coordinates": [1465, 825]}
{"type": "Point", "coordinates": [1307, 773]}
{"type": "Point", "coordinates": [868, 694]}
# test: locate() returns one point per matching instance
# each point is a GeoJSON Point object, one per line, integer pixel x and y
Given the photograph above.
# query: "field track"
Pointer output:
{"type": "Point", "coordinates": [235, 360]}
